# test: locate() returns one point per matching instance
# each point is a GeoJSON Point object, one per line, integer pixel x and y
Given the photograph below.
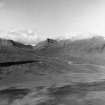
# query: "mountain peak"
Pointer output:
{"type": "Point", "coordinates": [12, 43]}
{"type": "Point", "coordinates": [46, 43]}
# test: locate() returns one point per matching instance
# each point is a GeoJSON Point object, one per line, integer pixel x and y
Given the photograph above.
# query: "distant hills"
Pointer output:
{"type": "Point", "coordinates": [94, 44]}
{"type": "Point", "coordinates": [88, 50]}
{"type": "Point", "coordinates": [92, 49]}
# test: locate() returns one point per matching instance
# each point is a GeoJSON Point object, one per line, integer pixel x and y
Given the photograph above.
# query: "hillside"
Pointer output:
{"type": "Point", "coordinates": [53, 71]}
{"type": "Point", "coordinates": [13, 51]}
{"type": "Point", "coordinates": [89, 50]}
{"type": "Point", "coordinates": [51, 56]}
{"type": "Point", "coordinates": [79, 51]}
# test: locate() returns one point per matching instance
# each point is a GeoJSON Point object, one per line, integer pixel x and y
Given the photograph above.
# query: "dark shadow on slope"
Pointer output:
{"type": "Point", "coordinates": [7, 64]}
{"type": "Point", "coordinates": [14, 91]}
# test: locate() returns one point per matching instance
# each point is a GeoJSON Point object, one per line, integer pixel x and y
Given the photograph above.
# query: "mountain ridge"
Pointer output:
{"type": "Point", "coordinates": [84, 49]}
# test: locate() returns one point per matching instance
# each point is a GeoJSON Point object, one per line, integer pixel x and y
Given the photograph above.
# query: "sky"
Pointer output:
{"type": "Point", "coordinates": [53, 17]}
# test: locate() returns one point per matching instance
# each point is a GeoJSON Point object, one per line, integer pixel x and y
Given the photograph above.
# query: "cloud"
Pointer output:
{"type": "Point", "coordinates": [23, 36]}
{"type": "Point", "coordinates": [2, 3]}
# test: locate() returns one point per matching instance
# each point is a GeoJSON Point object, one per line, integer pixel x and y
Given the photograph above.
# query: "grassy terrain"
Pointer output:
{"type": "Point", "coordinates": [53, 72]}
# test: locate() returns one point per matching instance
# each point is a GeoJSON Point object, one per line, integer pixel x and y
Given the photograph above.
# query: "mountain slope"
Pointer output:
{"type": "Point", "coordinates": [53, 72]}
{"type": "Point", "coordinates": [12, 51]}
{"type": "Point", "coordinates": [79, 51]}
{"type": "Point", "coordinates": [90, 50]}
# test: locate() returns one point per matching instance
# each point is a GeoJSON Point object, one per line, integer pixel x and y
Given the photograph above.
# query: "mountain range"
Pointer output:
{"type": "Point", "coordinates": [89, 49]}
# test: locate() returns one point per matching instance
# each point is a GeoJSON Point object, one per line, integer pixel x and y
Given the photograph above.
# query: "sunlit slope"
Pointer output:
{"type": "Point", "coordinates": [90, 50]}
